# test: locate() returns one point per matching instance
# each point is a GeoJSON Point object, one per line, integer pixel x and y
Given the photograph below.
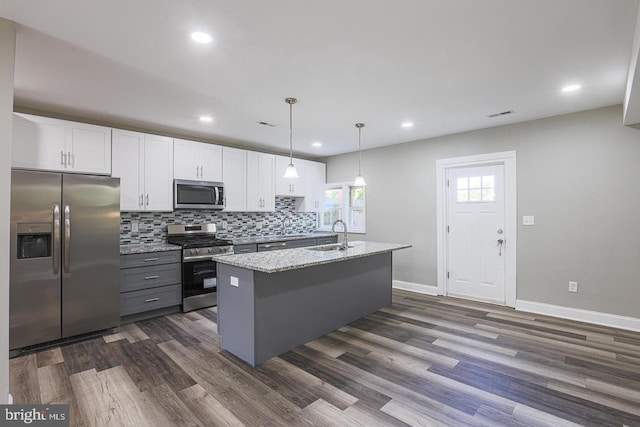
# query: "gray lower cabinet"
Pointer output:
{"type": "Point", "coordinates": [326, 240]}
{"type": "Point", "coordinates": [245, 249]}
{"type": "Point", "coordinates": [150, 281]}
{"type": "Point", "coordinates": [287, 244]}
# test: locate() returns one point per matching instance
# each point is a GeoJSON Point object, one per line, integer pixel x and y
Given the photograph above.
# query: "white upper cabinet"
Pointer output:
{"type": "Point", "coordinates": [234, 177]}
{"type": "Point", "coordinates": [287, 186]}
{"type": "Point", "coordinates": [144, 164]}
{"type": "Point", "coordinates": [316, 178]}
{"type": "Point", "coordinates": [197, 161]}
{"type": "Point", "coordinates": [260, 182]}
{"type": "Point", "coordinates": [44, 143]}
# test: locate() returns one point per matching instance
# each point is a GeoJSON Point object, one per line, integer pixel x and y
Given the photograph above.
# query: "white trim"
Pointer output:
{"type": "Point", "coordinates": [578, 314]}
{"type": "Point", "coordinates": [508, 159]}
{"type": "Point", "coordinates": [415, 287]}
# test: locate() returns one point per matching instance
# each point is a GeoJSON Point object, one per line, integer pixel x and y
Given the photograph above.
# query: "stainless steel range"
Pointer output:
{"type": "Point", "coordinates": [199, 272]}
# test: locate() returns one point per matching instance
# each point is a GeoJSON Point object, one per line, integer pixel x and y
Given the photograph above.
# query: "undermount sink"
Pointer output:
{"type": "Point", "coordinates": [325, 248]}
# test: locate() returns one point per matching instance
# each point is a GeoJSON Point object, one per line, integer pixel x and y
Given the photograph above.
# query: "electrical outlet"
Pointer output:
{"type": "Point", "coordinates": [528, 220]}
{"type": "Point", "coordinates": [224, 225]}
{"type": "Point", "coordinates": [134, 227]}
{"type": "Point", "coordinates": [258, 226]}
{"type": "Point", "coordinates": [573, 286]}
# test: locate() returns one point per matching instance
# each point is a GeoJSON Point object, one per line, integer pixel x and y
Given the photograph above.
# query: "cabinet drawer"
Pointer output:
{"type": "Point", "coordinates": [300, 243]}
{"type": "Point", "coordinates": [150, 299]}
{"type": "Point", "coordinates": [245, 249]}
{"type": "Point", "coordinates": [150, 258]}
{"type": "Point", "coordinates": [134, 279]}
{"type": "Point", "coordinates": [327, 240]}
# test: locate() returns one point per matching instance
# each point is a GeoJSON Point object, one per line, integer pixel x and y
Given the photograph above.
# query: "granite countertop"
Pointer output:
{"type": "Point", "coordinates": [278, 238]}
{"type": "Point", "coordinates": [141, 248]}
{"type": "Point", "coordinates": [291, 259]}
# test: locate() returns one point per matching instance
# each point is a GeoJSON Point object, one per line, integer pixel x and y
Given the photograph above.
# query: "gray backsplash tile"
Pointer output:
{"type": "Point", "coordinates": [152, 226]}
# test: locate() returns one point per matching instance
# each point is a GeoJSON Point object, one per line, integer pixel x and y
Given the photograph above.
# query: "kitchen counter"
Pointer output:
{"type": "Point", "coordinates": [271, 302]}
{"type": "Point", "coordinates": [291, 259]}
{"type": "Point", "coordinates": [278, 238]}
{"type": "Point", "coordinates": [142, 248]}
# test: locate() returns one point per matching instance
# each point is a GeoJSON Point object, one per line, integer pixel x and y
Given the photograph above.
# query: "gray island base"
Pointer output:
{"type": "Point", "coordinates": [264, 314]}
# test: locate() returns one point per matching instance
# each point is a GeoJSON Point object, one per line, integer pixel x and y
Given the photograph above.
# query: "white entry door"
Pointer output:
{"type": "Point", "coordinates": [476, 241]}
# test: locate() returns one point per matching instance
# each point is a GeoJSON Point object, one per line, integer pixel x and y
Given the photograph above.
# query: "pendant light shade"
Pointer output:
{"type": "Point", "coordinates": [291, 171]}
{"type": "Point", "coordinates": [359, 181]}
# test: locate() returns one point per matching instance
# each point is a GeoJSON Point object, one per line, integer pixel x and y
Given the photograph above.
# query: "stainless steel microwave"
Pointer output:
{"type": "Point", "coordinates": [198, 194]}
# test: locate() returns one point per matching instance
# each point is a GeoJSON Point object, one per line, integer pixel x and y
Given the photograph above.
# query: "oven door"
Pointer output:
{"type": "Point", "coordinates": [199, 284]}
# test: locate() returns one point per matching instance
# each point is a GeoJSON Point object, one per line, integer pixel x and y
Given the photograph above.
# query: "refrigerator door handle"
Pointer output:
{"type": "Point", "coordinates": [67, 238]}
{"type": "Point", "coordinates": [55, 249]}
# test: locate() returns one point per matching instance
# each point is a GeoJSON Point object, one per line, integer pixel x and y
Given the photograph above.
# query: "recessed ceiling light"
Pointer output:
{"type": "Point", "coordinates": [407, 125]}
{"type": "Point", "coordinates": [317, 144]}
{"type": "Point", "coordinates": [206, 118]}
{"type": "Point", "coordinates": [201, 37]}
{"type": "Point", "coordinates": [571, 88]}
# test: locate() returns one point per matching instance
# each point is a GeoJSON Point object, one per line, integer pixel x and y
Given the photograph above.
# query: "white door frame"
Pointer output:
{"type": "Point", "coordinates": [508, 159]}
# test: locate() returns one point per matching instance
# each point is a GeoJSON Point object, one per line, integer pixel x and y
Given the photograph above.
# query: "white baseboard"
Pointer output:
{"type": "Point", "coordinates": [588, 316]}
{"type": "Point", "coordinates": [415, 287]}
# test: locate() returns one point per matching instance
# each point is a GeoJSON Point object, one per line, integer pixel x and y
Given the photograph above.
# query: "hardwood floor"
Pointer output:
{"type": "Point", "coordinates": [422, 361]}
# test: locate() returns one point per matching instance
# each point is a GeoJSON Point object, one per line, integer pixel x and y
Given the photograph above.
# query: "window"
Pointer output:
{"type": "Point", "coordinates": [345, 202]}
{"type": "Point", "coordinates": [476, 189]}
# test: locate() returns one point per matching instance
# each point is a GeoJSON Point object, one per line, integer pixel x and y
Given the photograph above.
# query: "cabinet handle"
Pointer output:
{"type": "Point", "coordinates": [63, 158]}
{"type": "Point", "coordinates": [275, 245]}
{"type": "Point", "coordinates": [151, 277]}
{"type": "Point", "coordinates": [244, 250]}
{"type": "Point", "coordinates": [141, 200]}
{"type": "Point", "coordinates": [197, 171]}
{"type": "Point", "coordinates": [151, 299]}
{"type": "Point", "coordinates": [151, 259]}
{"type": "Point", "coordinates": [293, 188]}
{"type": "Point", "coordinates": [147, 203]}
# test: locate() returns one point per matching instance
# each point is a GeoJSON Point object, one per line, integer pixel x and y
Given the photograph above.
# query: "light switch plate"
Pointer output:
{"type": "Point", "coordinates": [134, 227]}
{"type": "Point", "coordinates": [528, 220]}
{"type": "Point", "coordinates": [224, 225]}
{"type": "Point", "coordinates": [234, 281]}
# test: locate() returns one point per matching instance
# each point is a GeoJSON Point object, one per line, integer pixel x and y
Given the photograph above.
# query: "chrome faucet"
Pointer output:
{"type": "Point", "coordinates": [345, 243]}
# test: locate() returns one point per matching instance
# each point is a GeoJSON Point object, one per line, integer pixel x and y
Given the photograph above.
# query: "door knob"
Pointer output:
{"type": "Point", "coordinates": [500, 243]}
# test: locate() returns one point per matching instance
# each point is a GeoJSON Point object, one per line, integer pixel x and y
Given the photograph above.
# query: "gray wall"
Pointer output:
{"type": "Point", "coordinates": [7, 55]}
{"type": "Point", "coordinates": [578, 174]}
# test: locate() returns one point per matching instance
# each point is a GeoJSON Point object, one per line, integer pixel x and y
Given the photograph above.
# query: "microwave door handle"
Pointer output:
{"type": "Point", "coordinates": [55, 245]}
{"type": "Point", "coordinates": [67, 238]}
{"type": "Point", "coordinates": [217, 195]}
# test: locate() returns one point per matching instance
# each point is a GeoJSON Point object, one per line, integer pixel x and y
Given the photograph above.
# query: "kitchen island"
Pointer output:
{"type": "Point", "coordinates": [271, 302]}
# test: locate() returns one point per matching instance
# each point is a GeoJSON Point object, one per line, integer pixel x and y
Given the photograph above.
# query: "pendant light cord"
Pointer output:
{"type": "Point", "coordinates": [359, 150]}
{"type": "Point", "coordinates": [290, 133]}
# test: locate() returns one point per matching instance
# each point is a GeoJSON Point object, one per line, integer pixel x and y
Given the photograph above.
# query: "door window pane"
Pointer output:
{"type": "Point", "coordinates": [476, 189]}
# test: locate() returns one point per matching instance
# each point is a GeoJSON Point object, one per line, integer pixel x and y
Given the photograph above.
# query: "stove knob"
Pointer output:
{"type": "Point", "coordinates": [210, 250]}
{"type": "Point", "coordinates": [197, 251]}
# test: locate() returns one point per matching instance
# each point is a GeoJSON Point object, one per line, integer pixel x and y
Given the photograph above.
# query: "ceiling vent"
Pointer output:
{"type": "Point", "coordinates": [504, 113]}
{"type": "Point", "coordinates": [266, 124]}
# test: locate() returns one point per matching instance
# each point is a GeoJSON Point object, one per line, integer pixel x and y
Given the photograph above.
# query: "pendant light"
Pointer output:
{"type": "Point", "coordinates": [291, 171]}
{"type": "Point", "coordinates": [359, 182]}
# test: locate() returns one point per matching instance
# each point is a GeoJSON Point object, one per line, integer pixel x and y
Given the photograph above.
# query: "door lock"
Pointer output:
{"type": "Point", "coordinates": [500, 243]}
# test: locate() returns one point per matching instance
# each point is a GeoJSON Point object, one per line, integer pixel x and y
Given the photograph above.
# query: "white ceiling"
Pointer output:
{"type": "Point", "coordinates": [442, 64]}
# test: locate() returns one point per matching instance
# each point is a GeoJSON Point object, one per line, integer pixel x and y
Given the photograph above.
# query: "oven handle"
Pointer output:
{"type": "Point", "coordinates": [198, 258]}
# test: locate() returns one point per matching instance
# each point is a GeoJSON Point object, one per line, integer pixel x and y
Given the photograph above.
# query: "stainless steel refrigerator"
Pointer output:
{"type": "Point", "coordinates": [65, 232]}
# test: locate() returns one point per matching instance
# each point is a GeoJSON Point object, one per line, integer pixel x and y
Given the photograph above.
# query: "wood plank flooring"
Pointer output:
{"type": "Point", "coordinates": [424, 361]}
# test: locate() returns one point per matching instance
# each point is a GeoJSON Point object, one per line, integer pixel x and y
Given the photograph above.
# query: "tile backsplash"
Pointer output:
{"type": "Point", "coordinates": [152, 226]}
